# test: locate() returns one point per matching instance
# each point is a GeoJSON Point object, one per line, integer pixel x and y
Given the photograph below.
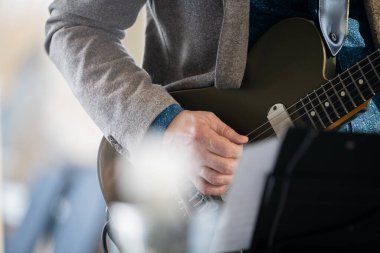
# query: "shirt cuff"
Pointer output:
{"type": "Point", "coordinates": [163, 120]}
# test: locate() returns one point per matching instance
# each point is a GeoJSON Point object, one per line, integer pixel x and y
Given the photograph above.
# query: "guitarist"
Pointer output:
{"type": "Point", "coordinates": [189, 44]}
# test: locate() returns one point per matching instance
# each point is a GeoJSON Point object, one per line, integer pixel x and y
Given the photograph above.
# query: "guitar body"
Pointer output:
{"type": "Point", "coordinates": [287, 63]}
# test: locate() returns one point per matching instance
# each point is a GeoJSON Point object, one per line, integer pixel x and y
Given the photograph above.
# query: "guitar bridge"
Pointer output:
{"type": "Point", "coordinates": [280, 119]}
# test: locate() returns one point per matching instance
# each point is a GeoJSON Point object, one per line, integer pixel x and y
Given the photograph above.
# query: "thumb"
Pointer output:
{"type": "Point", "coordinates": [224, 130]}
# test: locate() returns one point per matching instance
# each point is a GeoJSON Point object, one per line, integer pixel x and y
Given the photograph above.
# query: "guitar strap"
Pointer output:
{"type": "Point", "coordinates": [333, 20]}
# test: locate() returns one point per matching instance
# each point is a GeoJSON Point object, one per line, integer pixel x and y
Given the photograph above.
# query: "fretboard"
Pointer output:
{"type": "Point", "coordinates": [341, 95]}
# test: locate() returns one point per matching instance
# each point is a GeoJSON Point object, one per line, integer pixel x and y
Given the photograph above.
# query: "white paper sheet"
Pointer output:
{"type": "Point", "coordinates": [238, 218]}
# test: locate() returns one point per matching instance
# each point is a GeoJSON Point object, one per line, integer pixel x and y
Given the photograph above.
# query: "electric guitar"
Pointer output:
{"type": "Point", "coordinates": [288, 82]}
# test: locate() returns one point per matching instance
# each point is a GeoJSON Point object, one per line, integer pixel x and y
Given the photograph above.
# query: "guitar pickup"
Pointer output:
{"type": "Point", "coordinates": [279, 119]}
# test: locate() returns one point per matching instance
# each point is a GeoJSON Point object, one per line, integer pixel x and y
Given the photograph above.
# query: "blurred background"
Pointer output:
{"type": "Point", "coordinates": [50, 196]}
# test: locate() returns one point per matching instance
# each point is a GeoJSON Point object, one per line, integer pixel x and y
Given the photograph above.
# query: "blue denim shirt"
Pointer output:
{"type": "Point", "coordinates": [358, 44]}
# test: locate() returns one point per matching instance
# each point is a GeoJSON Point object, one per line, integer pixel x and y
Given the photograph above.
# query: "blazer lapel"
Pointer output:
{"type": "Point", "coordinates": [373, 13]}
{"type": "Point", "coordinates": [233, 44]}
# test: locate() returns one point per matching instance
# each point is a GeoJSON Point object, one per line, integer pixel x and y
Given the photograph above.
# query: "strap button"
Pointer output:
{"type": "Point", "coordinates": [333, 37]}
{"type": "Point", "coordinates": [114, 143]}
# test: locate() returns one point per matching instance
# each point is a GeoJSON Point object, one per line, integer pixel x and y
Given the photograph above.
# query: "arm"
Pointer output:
{"type": "Point", "coordinates": [84, 41]}
{"type": "Point", "coordinates": [83, 38]}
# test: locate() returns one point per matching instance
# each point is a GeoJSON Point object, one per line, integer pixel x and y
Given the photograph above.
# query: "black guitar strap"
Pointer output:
{"type": "Point", "coordinates": [333, 20]}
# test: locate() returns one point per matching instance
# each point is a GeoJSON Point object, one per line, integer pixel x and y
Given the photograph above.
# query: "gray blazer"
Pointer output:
{"type": "Point", "coordinates": [189, 43]}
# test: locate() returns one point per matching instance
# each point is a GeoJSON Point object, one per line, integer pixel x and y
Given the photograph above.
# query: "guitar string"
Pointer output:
{"type": "Point", "coordinates": [330, 89]}
{"type": "Point", "coordinates": [271, 128]}
{"type": "Point", "coordinates": [296, 119]}
{"type": "Point", "coordinates": [325, 92]}
{"type": "Point", "coordinates": [340, 107]}
{"type": "Point", "coordinates": [320, 104]}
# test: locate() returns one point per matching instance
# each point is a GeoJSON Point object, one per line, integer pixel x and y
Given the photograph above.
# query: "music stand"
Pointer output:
{"type": "Point", "coordinates": [323, 194]}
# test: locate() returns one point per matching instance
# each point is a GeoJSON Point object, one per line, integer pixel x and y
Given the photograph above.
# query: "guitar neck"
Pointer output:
{"type": "Point", "coordinates": [341, 96]}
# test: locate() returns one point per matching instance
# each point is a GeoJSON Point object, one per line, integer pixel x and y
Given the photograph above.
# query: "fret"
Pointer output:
{"type": "Point", "coordinates": [341, 82]}
{"type": "Point", "coordinates": [334, 98]}
{"type": "Point", "coordinates": [373, 68]}
{"type": "Point", "coordinates": [341, 95]}
{"type": "Point", "coordinates": [369, 74]}
{"type": "Point", "coordinates": [320, 110]}
{"type": "Point", "coordinates": [330, 108]}
{"type": "Point", "coordinates": [352, 88]}
{"type": "Point", "coordinates": [356, 85]}
{"type": "Point", "coordinates": [323, 106]}
{"type": "Point", "coordinates": [308, 114]}
{"type": "Point", "coordinates": [366, 81]}
{"type": "Point", "coordinates": [314, 112]}
{"type": "Point", "coordinates": [376, 68]}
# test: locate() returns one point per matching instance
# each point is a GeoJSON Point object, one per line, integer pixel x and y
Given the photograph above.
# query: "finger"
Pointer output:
{"type": "Point", "coordinates": [215, 178]}
{"type": "Point", "coordinates": [208, 189]}
{"type": "Point", "coordinates": [226, 166]}
{"type": "Point", "coordinates": [224, 130]}
{"type": "Point", "coordinates": [221, 146]}
{"type": "Point", "coordinates": [231, 134]}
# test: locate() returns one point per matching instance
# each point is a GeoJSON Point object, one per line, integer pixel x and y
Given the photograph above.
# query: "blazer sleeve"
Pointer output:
{"type": "Point", "coordinates": [83, 39]}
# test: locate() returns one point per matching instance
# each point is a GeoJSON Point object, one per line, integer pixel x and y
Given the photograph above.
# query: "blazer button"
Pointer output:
{"type": "Point", "coordinates": [111, 139]}
{"type": "Point", "coordinates": [114, 143]}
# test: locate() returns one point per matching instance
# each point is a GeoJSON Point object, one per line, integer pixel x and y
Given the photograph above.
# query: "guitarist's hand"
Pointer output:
{"type": "Point", "coordinates": [216, 147]}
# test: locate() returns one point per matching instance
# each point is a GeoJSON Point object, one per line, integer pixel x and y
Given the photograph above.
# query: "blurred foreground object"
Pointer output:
{"type": "Point", "coordinates": [66, 213]}
{"type": "Point", "coordinates": [310, 192]}
{"type": "Point", "coordinates": [150, 218]}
